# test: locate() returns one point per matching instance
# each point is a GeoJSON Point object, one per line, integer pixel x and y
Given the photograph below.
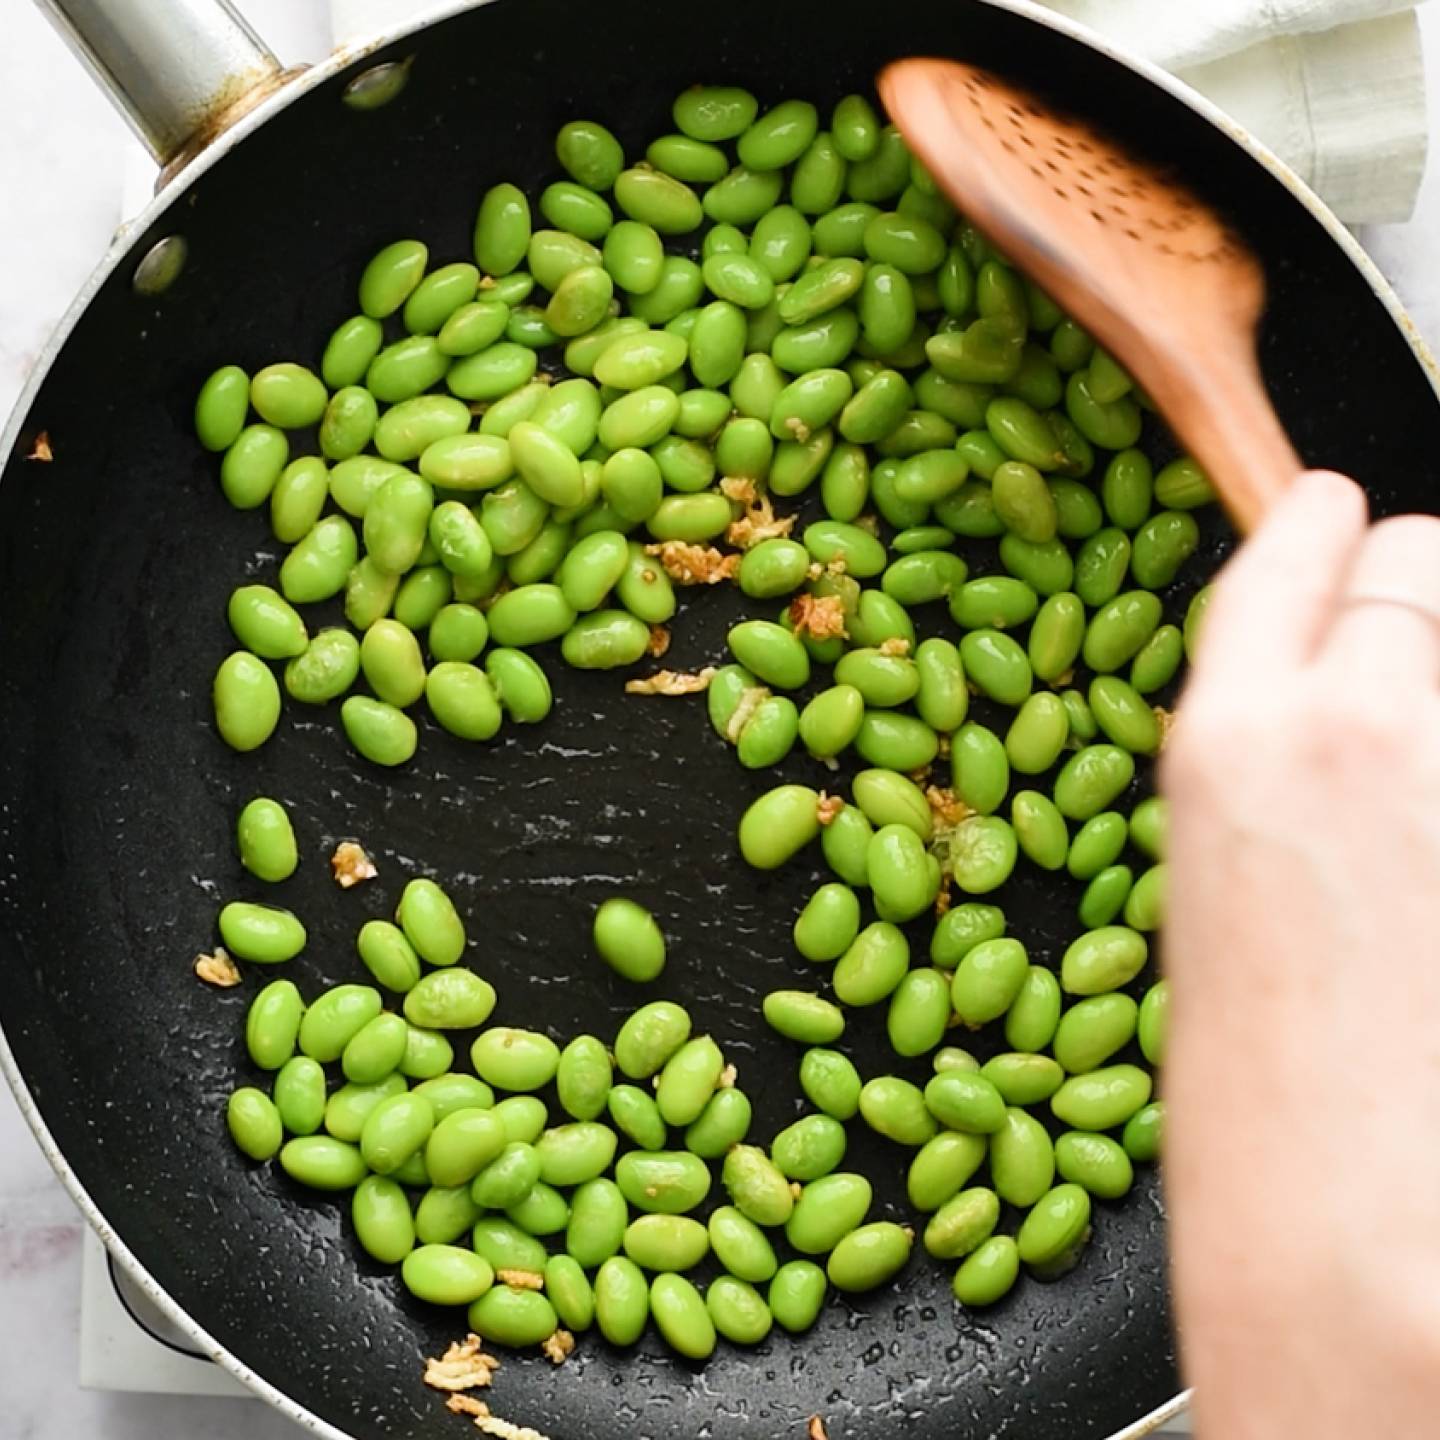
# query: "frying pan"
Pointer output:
{"type": "Point", "coordinates": [117, 801]}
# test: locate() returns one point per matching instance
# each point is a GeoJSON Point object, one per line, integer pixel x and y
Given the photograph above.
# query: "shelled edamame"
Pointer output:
{"type": "Point", "coordinates": [961, 603]}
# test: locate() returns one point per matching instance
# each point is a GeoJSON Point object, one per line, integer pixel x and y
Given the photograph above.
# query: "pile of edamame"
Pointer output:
{"type": "Point", "coordinates": [760, 309]}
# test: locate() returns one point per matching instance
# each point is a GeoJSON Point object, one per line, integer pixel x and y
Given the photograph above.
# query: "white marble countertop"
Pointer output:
{"type": "Point", "coordinates": [61, 150]}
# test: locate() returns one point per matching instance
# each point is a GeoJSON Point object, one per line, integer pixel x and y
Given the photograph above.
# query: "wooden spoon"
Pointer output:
{"type": "Point", "coordinates": [1146, 268]}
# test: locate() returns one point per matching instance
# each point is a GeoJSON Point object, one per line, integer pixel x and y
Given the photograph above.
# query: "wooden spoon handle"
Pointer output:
{"type": "Point", "coordinates": [1222, 415]}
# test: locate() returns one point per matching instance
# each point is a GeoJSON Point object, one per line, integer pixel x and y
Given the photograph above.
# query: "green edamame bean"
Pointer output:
{"type": "Point", "coordinates": [844, 842]}
{"type": "Point", "coordinates": [663, 1182]}
{"type": "Point", "coordinates": [923, 576]}
{"type": "Point", "coordinates": [827, 1210]}
{"type": "Point", "coordinates": [438, 296]}
{"type": "Point", "coordinates": [629, 940]}
{"type": "Point", "coordinates": [530, 615]}
{"type": "Point", "coordinates": [873, 965]}
{"type": "Point", "coordinates": [996, 601]}
{"type": "Point", "coordinates": [799, 1015]}
{"type": "Point", "coordinates": [831, 1083]}
{"type": "Point", "coordinates": [221, 408]}
{"type": "Point", "coordinates": [1031, 1021]}
{"type": "Point", "coordinates": [273, 1023]}
{"type": "Point", "coordinates": [1158, 660]}
{"type": "Point", "coordinates": [502, 229]}
{"type": "Point", "coordinates": [1121, 712]}
{"type": "Point", "coordinates": [1145, 904]}
{"type": "Point", "coordinates": [598, 1219]}
{"type": "Point", "coordinates": [811, 1147]}
{"type": "Point", "coordinates": [252, 466]}
{"type": "Point", "coordinates": [266, 840]}
{"type": "Point", "coordinates": [987, 980]}
{"type": "Point", "coordinates": [796, 1295]}
{"type": "Point", "coordinates": [1161, 546]}
{"type": "Point", "coordinates": [347, 1110]}
{"type": "Point", "coordinates": [1091, 779]}
{"type": "Point", "coordinates": [896, 1109]}
{"type": "Point", "coordinates": [1142, 1134]}
{"type": "Point", "coordinates": [448, 1093]}
{"type": "Point", "coordinates": [1183, 485]}
{"type": "Point", "coordinates": [513, 1317]}
{"type": "Point", "coordinates": [982, 853]}
{"type": "Point", "coordinates": [1119, 629]}
{"type": "Point", "coordinates": [520, 684]}
{"type": "Point", "coordinates": [406, 369]}
{"type": "Point", "coordinates": [965, 1101]}
{"type": "Point", "coordinates": [855, 128]}
{"type": "Point", "coordinates": [895, 866]}
{"type": "Point", "coordinates": [650, 1037]}
{"type": "Point", "coordinates": [782, 821]}
{"type": "Point", "coordinates": [458, 632]}
{"type": "Point", "coordinates": [1097, 844]}
{"type": "Point", "coordinates": [961, 929]}
{"type": "Point", "coordinates": [464, 1143]}
{"type": "Point", "coordinates": [988, 1273]}
{"type": "Point", "coordinates": [350, 349]}
{"type": "Point", "coordinates": [1022, 1159]}
{"type": "Point", "coordinates": [1037, 734]}
{"type": "Point", "coordinates": [317, 565]}
{"type": "Point", "coordinates": [737, 1310]}
{"type": "Point", "coordinates": [941, 1166]}
{"type": "Point", "coordinates": [445, 1274]}
{"type": "Point", "coordinates": [637, 1116]}
{"type": "Point", "coordinates": [322, 1163]}
{"type": "Point", "coordinates": [756, 1187]}
{"type": "Point", "coordinates": [395, 1130]}
{"type": "Point", "coordinates": [604, 640]}
{"type": "Point", "coordinates": [261, 933]}
{"type": "Point", "coordinates": [1092, 1030]}
{"type": "Point", "coordinates": [1103, 960]}
{"type": "Point", "coordinates": [1102, 1099]}
{"type": "Point", "coordinates": [688, 1079]}
{"type": "Point", "coordinates": [254, 1123]}
{"type": "Point", "coordinates": [997, 665]}
{"type": "Point", "coordinates": [1153, 1022]}
{"type": "Point", "coordinates": [962, 1223]}
{"type": "Point", "coordinates": [430, 922]}
{"type": "Point", "coordinates": [571, 1154]}
{"type": "Point", "coordinates": [1105, 896]}
{"type": "Point", "coordinates": [515, 1060]}
{"type": "Point", "coordinates": [725, 1121]}
{"type": "Point", "coordinates": [919, 1013]}
{"type": "Point", "coordinates": [1148, 825]}
{"type": "Point", "coordinates": [299, 1095]}
{"type": "Point", "coordinates": [394, 668]}
{"type": "Point", "coordinates": [508, 1178]}
{"type": "Point", "coordinates": [348, 425]}
{"type": "Point", "coordinates": [979, 767]}
{"type": "Point", "coordinates": [543, 1211]}
{"type": "Point", "coordinates": [427, 1055]}
{"type": "Point", "coordinates": [454, 999]}
{"type": "Point", "coordinates": [828, 924]}
{"type": "Point", "coordinates": [375, 1050]}
{"type": "Point", "coordinates": [1023, 1079]}
{"type": "Point", "coordinates": [622, 1300]}
{"type": "Point", "coordinates": [1040, 829]}
{"type": "Point", "coordinates": [326, 669]}
{"type": "Point", "coordinates": [714, 112]}
{"type": "Point", "coordinates": [869, 1256]}
{"type": "Point", "coordinates": [681, 1316]}
{"type": "Point", "coordinates": [570, 1292]}
{"type": "Point", "coordinates": [506, 1246]}
{"type": "Point", "coordinates": [389, 278]}
{"type": "Point", "coordinates": [408, 429]}
{"type": "Point", "coordinates": [1126, 489]}
{"type": "Point", "coordinates": [298, 498]}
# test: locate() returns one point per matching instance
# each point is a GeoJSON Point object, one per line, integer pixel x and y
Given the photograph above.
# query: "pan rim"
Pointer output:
{"type": "Point", "coordinates": [122, 248]}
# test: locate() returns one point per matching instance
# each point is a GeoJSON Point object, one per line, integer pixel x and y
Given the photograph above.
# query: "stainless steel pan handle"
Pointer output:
{"type": "Point", "coordinates": [179, 71]}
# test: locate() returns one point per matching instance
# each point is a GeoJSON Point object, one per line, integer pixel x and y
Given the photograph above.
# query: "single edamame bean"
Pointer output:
{"type": "Point", "coordinates": [622, 1300]}
{"type": "Point", "coordinates": [725, 1121]}
{"type": "Point", "coordinates": [1102, 1099]}
{"type": "Point", "coordinates": [799, 1015]}
{"type": "Point", "coordinates": [266, 840]}
{"type": "Point", "coordinates": [514, 1317]}
{"type": "Point", "coordinates": [574, 1153]}
{"type": "Point", "coordinates": [831, 1083]}
{"type": "Point", "coordinates": [1103, 960]}
{"type": "Point", "coordinates": [942, 1166]}
{"type": "Point", "coordinates": [869, 1256]}
{"type": "Point", "coordinates": [453, 999]}
{"type": "Point", "coordinates": [650, 1037]}
{"type": "Point", "coordinates": [323, 1163]}
{"type": "Point", "coordinates": [1153, 1021]}
{"type": "Point", "coordinates": [1091, 1031]}
{"type": "Point", "coordinates": [681, 1316]}
{"type": "Point", "coordinates": [965, 1101]}
{"type": "Point", "coordinates": [254, 1123]}
{"type": "Point", "coordinates": [873, 965]}
{"type": "Point", "coordinates": [988, 979]}
{"type": "Point", "coordinates": [962, 1223]}
{"type": "Point", "coordinates": [961, 929]}
{"type": "Point", "coordinates": [983, 850]}
{"type": "Point", "coordinates": [1142, 1135]}
{"type": "Point", "coordinates": [515, 1060]}
{"type": "Point", "coordinates": [781, 822]}
{"type": "Point", "coordinates": [598, 1219]}
{"type": "Point", "coordinates": [260, 933]}
{"type": "Point", "coordinates": [737, 1310]}
{"type": "Point", "coordinates": [430, 922]}
{"type": "Point", "coordinates": [896, 1109]}
{"type": "Point", "coordinates": [272, 1024]}
{"type": "Point", "coordinates": [663, 1182]}
{"type": "Point", "coordinates": [247, 701]}
{"type": "Point", "coordinates": [688, 1079]}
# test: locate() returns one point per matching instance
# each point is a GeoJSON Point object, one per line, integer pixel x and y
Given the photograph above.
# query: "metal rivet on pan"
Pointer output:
{"type": "Point", "coordinates": [161, 267]}
{"type": "Point", "coordinates": [378, 85]}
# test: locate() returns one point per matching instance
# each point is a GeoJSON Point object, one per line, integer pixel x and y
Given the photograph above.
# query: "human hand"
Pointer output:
{"type": "Point", "coordinates": [1302, 1081]}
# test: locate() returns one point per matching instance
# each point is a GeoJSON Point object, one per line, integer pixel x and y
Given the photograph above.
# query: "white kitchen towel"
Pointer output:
{"type": "Point", "coordinates": [1335, 87]}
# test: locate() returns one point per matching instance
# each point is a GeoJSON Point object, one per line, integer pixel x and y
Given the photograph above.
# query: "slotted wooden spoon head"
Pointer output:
{"type": "Point", "coordinates": [1142, 264]}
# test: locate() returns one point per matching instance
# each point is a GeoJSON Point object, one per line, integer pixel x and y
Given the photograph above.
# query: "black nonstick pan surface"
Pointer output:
{"type": "Point", "coordinates": [117, 800]}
